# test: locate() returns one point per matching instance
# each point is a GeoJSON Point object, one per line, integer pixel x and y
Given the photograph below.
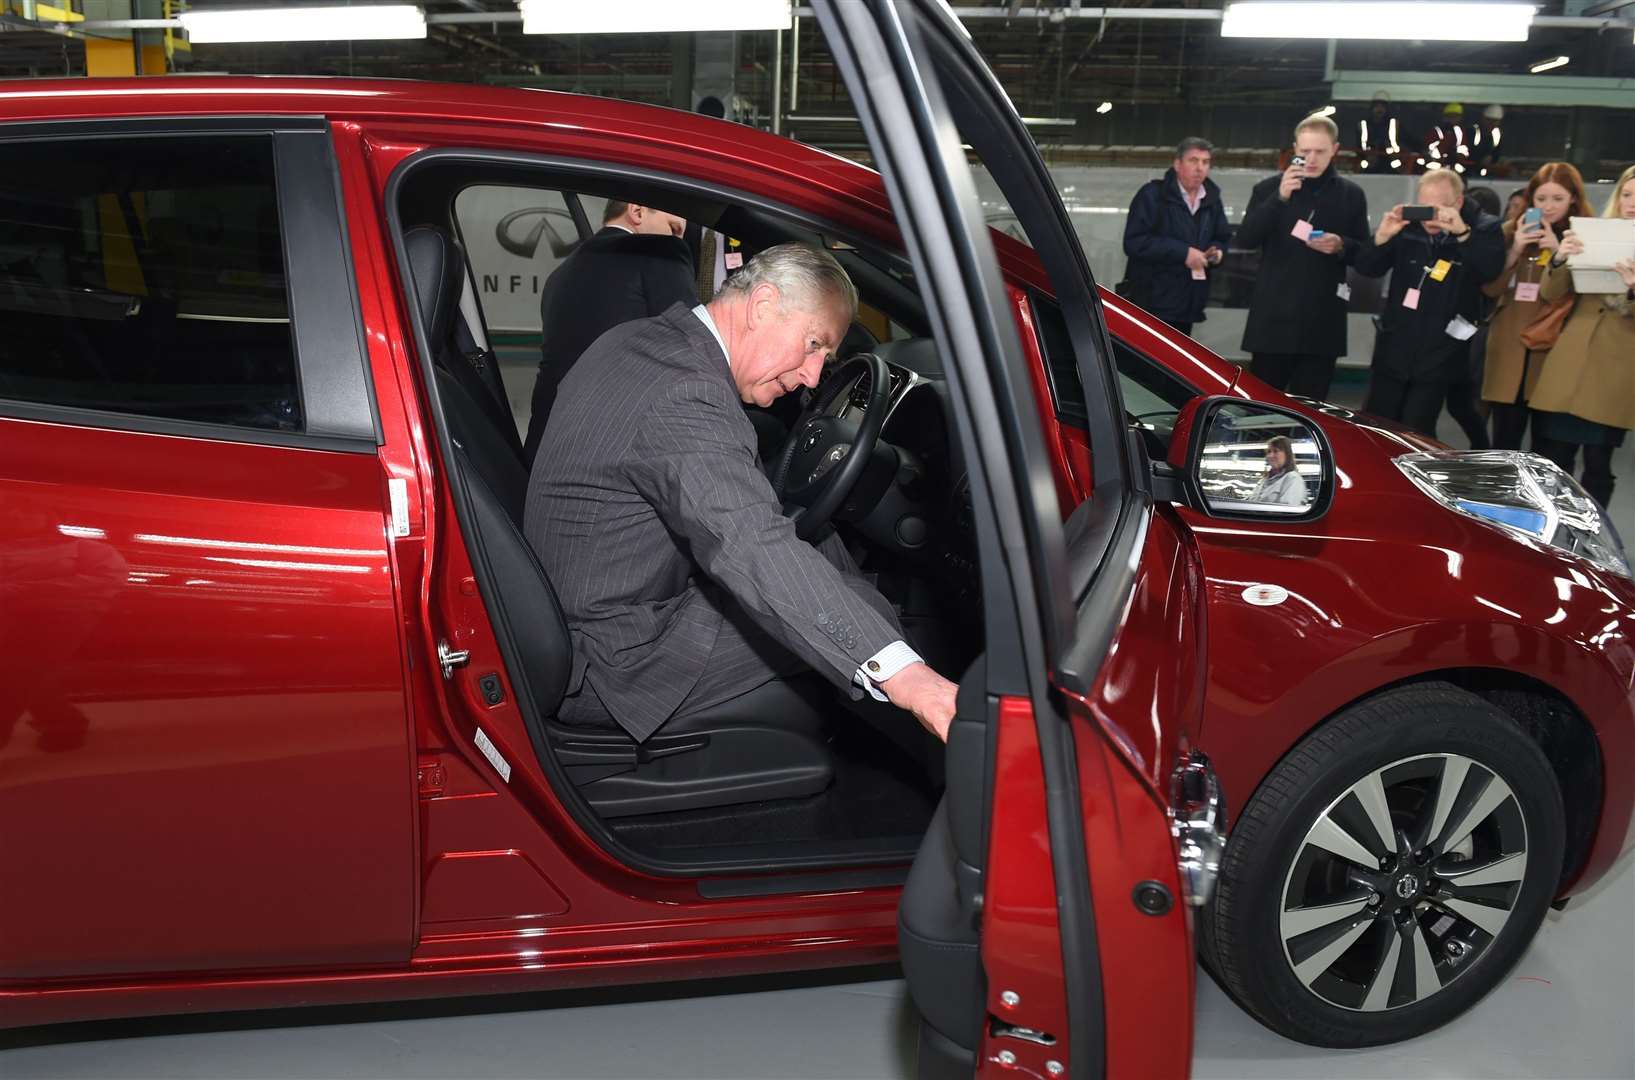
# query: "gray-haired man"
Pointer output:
{"type": "Point", "coordinates": [683, 583]}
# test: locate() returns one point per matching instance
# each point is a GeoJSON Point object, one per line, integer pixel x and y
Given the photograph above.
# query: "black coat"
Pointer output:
{"type": "Point", "coordinates": [1157, 234]}
{"type": "Point", "coordinates": [1297, 307]}
{"type": "Point", "coordinates": [612, 278]}
{"type": "Point", "coordinates": [1413, 343]}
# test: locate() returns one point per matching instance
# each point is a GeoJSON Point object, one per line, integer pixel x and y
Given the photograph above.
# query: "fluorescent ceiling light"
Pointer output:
{"type": "Point", "coordinates": [1105, 107]}
{"type": "Point", "coordinates": [304, 24]}
{"type": "Point", "coordinates": [653, 16]}
{"type": "Point", "coordinates": [1384, 20]}
{"type": "Point", "coordinates": [1551, 64]}
{"type": "Point", "coordinates": [1326, 110]}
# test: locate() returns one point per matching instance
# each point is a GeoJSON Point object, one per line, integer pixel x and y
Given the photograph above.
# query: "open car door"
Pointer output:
{"type": "Point", "coordinates": [1043, 928]}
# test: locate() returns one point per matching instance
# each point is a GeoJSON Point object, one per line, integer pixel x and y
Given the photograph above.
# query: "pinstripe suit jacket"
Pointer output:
{"type": "Point", "coordinates": [648, 510]}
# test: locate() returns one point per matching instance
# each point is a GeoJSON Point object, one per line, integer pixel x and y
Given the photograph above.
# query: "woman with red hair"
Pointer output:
{"type": "Point", "coordinates": [1512, 370]}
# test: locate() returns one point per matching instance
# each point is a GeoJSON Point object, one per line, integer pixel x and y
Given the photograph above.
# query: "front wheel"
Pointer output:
{"type": "Point", "coordinates": [1389, 872]}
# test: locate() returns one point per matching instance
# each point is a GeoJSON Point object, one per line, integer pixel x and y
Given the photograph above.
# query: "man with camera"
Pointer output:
{"type": "Point", "coordinates": [1309, 223]}
{"type": "Point", "coordinates": [1440, 252]}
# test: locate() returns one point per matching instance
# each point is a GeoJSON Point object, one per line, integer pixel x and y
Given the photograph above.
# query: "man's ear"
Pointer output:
{"type": "Point", "coordinates": [635, 214]}
{"type": "Point", "coordinates": [764, 301]}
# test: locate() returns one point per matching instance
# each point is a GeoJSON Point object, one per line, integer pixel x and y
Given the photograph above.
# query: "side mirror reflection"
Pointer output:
{"type": "Point", "coordinates": [1258, 460]}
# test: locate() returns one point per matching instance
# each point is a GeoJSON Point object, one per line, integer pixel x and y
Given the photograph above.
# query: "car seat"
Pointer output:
{"type": "Point", "coordinates": [766, 744]}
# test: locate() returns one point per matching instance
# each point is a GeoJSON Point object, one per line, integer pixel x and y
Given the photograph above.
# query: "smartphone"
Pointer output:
{"type": "Point", "coordinates": [1418, 213]}
{"type": "Point", "coordinates": [1297, 162]}
{"type": "Point", "coordinates": [1316, 233]}
{"type": "Point", "coordinates": [1533, 216]}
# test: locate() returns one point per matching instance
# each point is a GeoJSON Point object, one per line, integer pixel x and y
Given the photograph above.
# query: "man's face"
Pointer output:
{"type": "Point", "coordinates": [783, 348]}
{"type": "Point", "coordinates": [1317, 148]}
{"type": "Point", "coordinates": [1192, 168]}
{"type": "Point", "coordinates": [1433, 192]}
{"type": "Point", "coordinates": [657, 222]}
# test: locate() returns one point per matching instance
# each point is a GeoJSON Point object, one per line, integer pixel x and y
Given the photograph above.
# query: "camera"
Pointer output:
{"type": "Point", "coordinates": [1418, 213]}
{"type": "Point", "coordinates": [1297, 162]}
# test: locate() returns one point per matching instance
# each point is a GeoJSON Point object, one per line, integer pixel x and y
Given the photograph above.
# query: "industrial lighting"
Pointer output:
{"type": "Point", "coordinates": [1550, 64]}
{"type": "Point", "coordinates": [653, 16]}
{"type": "Point", "coordinates": [395, 21]}
{"type": "Point", "coordinates": [1384, 20]}
{"type": "Point", "coordinates": [1104, 108]}
{"type": "Point", "coordinates": [1326, 110]}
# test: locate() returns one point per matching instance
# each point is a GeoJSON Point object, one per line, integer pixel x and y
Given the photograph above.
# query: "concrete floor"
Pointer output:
{"type": "Point", "coordinates": [1565, 1012]}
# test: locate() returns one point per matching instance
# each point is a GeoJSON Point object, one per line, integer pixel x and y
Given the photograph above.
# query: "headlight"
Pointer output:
{"type": "Point", "coordinates": [1524, 495]}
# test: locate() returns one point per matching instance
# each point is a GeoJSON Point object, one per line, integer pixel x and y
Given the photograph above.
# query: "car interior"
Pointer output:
{"type": "Point", "coordinates": [795, 772]}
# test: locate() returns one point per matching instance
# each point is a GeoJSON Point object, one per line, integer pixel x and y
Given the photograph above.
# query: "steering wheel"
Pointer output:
{"type": "Point", "coordinates": [825, 456]}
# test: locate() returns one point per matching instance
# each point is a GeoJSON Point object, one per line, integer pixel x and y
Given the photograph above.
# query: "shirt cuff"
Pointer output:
{"type": "Point", "coordinates": [883, 665]}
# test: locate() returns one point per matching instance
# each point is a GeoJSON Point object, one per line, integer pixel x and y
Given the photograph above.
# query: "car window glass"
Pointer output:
{"type": "Point", "coordinates": [1152, 396]}
{"type": "Point", "coordinates": [514, 237]}
{"type": "Point", "coordinates": [146, 276]}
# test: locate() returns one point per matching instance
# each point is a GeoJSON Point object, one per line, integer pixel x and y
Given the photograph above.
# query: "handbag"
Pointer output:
{"type": "Point", "coordinates": [1541, 334]}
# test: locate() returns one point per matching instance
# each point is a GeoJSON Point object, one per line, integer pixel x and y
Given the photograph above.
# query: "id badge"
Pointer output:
{"type": "Point", "coordinates": [1440, 271]}
{"type": "Point", "coordinates": [1199, 275]}
{"type": "Point", "coordinates": [1526, 292]}
{"type": "Point", "coordinates": [1410, 299]}
{"type": "Point", "coordinates": [1461, 329]}
{"type": "Point", "coordinates": [1301, 230]}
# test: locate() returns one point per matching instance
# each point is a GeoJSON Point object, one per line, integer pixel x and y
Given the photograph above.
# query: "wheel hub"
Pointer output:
{"type": "Point", "coordinates": [1407, 887]}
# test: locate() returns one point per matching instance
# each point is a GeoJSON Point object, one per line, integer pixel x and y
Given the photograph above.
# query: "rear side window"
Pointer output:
{"type": "Point", "coordinates": [147, 276]}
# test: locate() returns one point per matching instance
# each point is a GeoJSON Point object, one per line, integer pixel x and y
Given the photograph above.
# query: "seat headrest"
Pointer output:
{"type": "Point", "coordinates": [439, 269]}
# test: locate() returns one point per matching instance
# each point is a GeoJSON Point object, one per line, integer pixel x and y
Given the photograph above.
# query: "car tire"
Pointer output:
{"type": "Point", "coordinates": [1329, 934]}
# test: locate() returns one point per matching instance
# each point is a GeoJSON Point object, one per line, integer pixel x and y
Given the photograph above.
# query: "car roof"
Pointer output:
{"type": "Point", "coordinates": [161, 96]}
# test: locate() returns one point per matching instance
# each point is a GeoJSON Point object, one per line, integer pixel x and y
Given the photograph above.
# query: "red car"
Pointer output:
{"type": "Point", "coordinates": [277, 713]}
{"type": "Point", "coordinates": [281, 673]}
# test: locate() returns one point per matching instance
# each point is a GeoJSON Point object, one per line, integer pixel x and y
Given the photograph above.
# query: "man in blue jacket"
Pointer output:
{"type": "Point", "coordinates": [1175, 232]}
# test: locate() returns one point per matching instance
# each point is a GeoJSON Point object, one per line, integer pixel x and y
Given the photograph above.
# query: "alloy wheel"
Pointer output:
{"type": "Point", "coordinates": [1403, 882]}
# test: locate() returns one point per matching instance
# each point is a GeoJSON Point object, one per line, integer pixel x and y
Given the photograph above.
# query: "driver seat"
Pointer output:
{"type": "Point", "coordinates": [766, 744]}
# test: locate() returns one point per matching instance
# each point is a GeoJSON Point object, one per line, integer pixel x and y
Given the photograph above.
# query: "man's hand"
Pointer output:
{"type": "Point", "coordinates": [1214, 255]}
{"type": "Point", "coordinates": [1327, 244]}
{"type": "Point", "coordinates": [1196, 260]}
{"type": "Point", "coordinates": [1293, 177]}
{"type": "Point", "coordinates": [1390, 225]}
{"type": "Point", "coordinates": [1451, 221]}
{"type": "Point", "coordinates": [927, 695]}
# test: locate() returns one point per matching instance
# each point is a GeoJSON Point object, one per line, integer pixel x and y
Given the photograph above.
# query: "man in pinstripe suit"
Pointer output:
{"type": "Point", "coordinates": [683, 583]}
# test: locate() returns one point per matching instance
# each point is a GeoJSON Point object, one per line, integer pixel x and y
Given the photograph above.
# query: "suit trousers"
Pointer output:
{"type": "Point", "coordinates": [1416, 403]}
{"type": "Point", "coordinates": [744, 657]}
{"type": "Point", "coordinates": [1295, 373]}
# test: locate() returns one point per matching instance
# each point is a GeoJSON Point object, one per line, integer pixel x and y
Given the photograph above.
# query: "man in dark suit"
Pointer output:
{"type": "Point", "coordinates": [1175, 232]}
{"type": "Point", "coordinates": [683, 583]}
{"type": "Point", "coordinates": [635, 267]}
{"type": "Point", "coordinates": [1309, 223]}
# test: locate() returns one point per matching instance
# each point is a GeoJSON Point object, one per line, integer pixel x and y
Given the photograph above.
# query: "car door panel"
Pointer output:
{"type": "Point", "coordinates": [203, 699]}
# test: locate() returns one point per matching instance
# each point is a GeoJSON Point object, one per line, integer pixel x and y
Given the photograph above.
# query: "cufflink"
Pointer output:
{"type": "Point", "coordinates": [873, 665]}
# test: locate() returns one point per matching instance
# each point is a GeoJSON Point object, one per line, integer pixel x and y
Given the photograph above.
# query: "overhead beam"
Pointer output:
{"type": "Point", "coordinates": [1552, 90]}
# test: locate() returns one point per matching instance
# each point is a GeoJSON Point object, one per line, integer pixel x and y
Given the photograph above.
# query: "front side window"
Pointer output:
{"type": "Point", "coordinates": [146, 276]}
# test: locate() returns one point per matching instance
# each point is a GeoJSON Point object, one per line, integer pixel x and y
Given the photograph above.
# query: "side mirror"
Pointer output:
{"type": "Point", "coordinates": [1245, 459]}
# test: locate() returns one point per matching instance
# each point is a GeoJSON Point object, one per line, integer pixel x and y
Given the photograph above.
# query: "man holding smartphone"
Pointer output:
{"type": "Point", "coordinates": [1440, 252]}
{"type": "Point", "coordinates": [1309, 224]}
